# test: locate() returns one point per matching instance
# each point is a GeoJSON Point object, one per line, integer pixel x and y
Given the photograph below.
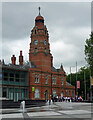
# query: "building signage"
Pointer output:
{"type": "Point", "coordinates": [33, 89]}
{"type": "Point", "coordinates": [78, 84]}
{"type": "Point", "coordinates": [91, 80]}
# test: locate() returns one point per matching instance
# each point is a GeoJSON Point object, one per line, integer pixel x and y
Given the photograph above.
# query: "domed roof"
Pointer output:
{"type": "Point", "coordinates": [39, 18]}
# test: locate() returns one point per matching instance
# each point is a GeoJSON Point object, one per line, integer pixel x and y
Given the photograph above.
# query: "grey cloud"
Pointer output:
{"type": "Point", "coordinates": [66, 22]}
{"type": "Point", "coordinates": [18, 18]}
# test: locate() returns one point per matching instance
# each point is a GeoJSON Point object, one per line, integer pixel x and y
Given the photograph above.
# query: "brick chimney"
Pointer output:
{"type": "Point", "coordinates": [13, 59]}
{"type": "Point", "coordinates": [20, 58]}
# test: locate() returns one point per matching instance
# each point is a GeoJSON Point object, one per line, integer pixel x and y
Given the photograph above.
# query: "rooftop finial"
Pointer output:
{"type": "Point", "coordinates": [39, 10]}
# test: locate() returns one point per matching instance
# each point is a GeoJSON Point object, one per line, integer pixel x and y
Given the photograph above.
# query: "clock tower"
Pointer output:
{"type": "Point", "coordinates": [39, 52]}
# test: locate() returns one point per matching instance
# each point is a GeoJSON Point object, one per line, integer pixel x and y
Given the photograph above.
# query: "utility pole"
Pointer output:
{"type": "Point", "coordinates": [76, 77]}
{"type": "Point", "coordinates": [90, 88]}
{"type": "Point", "coordinates": [70, 75]}
{"type": "Point", "coordinates": [85, 84]}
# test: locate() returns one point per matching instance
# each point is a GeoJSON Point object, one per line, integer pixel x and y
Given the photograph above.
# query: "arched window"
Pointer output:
{"type": "Point", "coordinates": [36, 93]}
{"type": "Point", "coordinates": [54, 93]}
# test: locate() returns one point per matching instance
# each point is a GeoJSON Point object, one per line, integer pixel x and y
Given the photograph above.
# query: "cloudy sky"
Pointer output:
{"type": "Point", "coordinates": [68, 24]}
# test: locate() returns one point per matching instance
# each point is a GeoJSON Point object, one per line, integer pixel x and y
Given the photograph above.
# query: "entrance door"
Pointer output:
{"type": "Point", "coordinates": [46, 95]}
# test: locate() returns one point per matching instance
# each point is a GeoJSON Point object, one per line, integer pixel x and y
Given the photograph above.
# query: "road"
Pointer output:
{"type": "Point", "coordinates": [58, 111]}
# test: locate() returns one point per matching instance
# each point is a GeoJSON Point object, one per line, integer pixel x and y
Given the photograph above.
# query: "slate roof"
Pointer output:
{"type": "Point", "coordinates": [53, 69]}
{"type": "Point", "coordinates": [14, 67]}
{"type": "Point", "coordinates": [23, 67]}
{"type": "Point", "coordinates": [68, 84]}
{"type": "Point", "coordinates": [30, 64]}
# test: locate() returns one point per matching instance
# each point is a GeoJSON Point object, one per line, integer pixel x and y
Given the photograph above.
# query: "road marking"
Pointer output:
{"type": "Point", "coordinates": [76, 112]}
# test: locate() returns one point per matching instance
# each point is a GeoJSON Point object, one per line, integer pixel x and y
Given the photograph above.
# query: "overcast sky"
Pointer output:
{"type": "Point", "coordinates": [68, 24]}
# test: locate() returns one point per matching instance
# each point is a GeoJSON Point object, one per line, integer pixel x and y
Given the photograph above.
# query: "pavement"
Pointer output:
{"type": "Point", "coordinates": [57, 111]}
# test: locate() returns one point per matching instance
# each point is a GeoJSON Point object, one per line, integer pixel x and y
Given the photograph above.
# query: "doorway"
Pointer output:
{"type": "Point", "coordinates": [46, 95]}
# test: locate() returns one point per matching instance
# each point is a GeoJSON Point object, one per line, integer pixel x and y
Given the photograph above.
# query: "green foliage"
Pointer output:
{"type": "Point", "coordinates": [89, 52]}
{"type": "Point", "coordinates": [80, 77]}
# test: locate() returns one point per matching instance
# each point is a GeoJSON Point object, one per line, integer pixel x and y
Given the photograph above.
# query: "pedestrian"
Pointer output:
{"type": "Point", "coordinates": [49, 102]}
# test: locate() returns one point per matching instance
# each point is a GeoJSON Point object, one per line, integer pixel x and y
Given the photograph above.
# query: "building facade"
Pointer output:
{"type": "Point", "coordinates": [44, 79]}
{"type": "Point", "coordinates": [37, 79]}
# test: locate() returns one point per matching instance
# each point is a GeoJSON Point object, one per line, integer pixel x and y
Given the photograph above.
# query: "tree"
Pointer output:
{"type": "Point", "coordinates": [80, 77]}
{"type": "Point", "coordinates": [89, 52]}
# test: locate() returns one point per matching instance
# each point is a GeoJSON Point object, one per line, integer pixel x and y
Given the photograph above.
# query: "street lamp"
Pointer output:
{"type": "Point", "coordinates": [70, 73]}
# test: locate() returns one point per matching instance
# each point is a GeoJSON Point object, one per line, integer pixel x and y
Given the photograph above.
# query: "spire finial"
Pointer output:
{"type": "Point", "coordinates": [39, 10]}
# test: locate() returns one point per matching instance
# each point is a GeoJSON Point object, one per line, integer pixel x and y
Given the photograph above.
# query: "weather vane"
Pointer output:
{"type": "Point", "coordinates": [39, 10]}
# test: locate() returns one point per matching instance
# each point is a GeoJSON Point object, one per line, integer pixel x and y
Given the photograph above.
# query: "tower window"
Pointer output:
{"type": "Point", "coordinates": [35, 31]}
{"type": "Point", "coordinates": [36, 78]}
{"type": "Point", "coordinates": [40, 21]}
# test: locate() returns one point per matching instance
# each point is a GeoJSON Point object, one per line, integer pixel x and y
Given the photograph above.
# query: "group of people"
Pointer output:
{"type": "Point", "coordinates": [61, 99]}
{"type": "Point", "coordinates": [67, 99]}
{"type": "Point", "coordinates": [78, 99]}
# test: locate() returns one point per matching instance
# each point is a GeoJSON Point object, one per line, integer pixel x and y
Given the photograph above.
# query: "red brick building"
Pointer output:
{"type": "Point", "coordinates": [38, 79]}
{"type": "Point", "coordinates": [44, 79]}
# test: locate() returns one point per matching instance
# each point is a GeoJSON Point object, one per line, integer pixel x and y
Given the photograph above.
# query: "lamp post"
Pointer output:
{"type": "Point", "coordinates": [90, 88]}
{"type": "Point", "coordinates": [70, 73]}
{"type": "Point", "coordinates": [76, 77]}
{"type": "Point", "coordinates": [85, 84]}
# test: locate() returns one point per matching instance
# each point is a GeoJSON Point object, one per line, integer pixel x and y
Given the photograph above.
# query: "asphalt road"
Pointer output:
{"type": "Point", "coordinates": [63, 111]}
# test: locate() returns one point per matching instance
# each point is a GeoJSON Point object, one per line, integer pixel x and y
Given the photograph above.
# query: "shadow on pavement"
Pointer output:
{"type": "Point", "coordinates": [26, 117]}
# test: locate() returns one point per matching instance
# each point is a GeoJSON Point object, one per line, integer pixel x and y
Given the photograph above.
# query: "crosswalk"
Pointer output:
{"type": "Point", "coordinates": [48, 113]}
{"type": "Point", "coordinates": [62, 110]}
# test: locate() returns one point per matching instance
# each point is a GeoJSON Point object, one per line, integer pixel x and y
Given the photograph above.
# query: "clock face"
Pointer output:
{"type": "Point", "coordinates": [35, 42]}
{"type": "Point", "coordinates": [45, 42]}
